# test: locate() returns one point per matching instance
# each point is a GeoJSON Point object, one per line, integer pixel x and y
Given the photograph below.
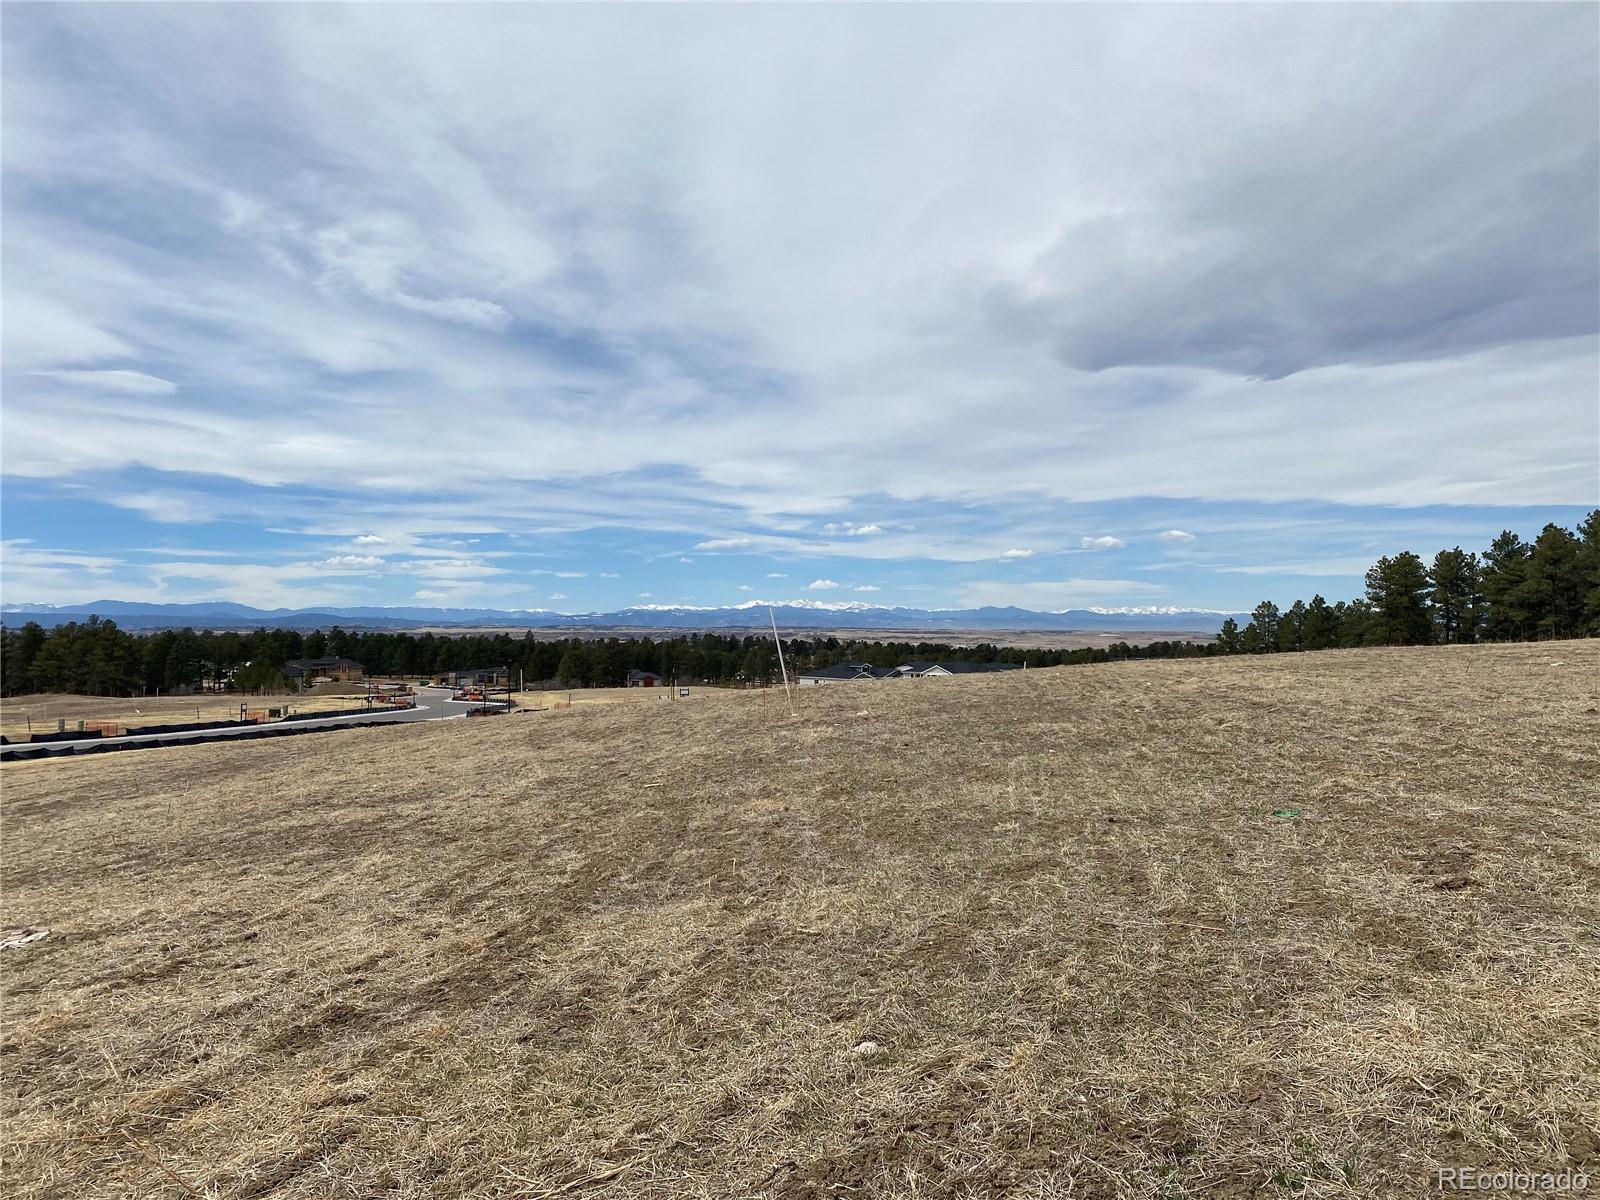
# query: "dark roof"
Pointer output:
{"type": "Point", "coordinates": [847, 671]}
{"type": "Point", "coordinates": [863, 671]}
{"type": "Point", "coordinates": [319, 664]}
{"type": "Point", "coordinates": [966, 668]}
{"type": "Point", "coordinates": [638, 674]}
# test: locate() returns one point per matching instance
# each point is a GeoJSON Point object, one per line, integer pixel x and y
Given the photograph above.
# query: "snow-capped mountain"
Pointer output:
{"type": "Point", "coordinates": [749, 614]}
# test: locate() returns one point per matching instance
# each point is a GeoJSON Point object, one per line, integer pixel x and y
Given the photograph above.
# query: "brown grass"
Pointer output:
{"type": "Point", "coordinates": [544, 701]}
{"type": "Point", "coordinates": [630, 950]}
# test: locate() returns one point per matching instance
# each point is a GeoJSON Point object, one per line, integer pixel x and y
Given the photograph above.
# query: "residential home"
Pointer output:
{"type": "Point", "coordinates": [847, 672]}
{"type": "Point", "coordinates": [932, 670]}
{"type": "Point", "coordinates": [842, 673]}
{"type": "Point", "coordinates": [478, 677]}
{"type": "Point", "coordinates": [322, 670]}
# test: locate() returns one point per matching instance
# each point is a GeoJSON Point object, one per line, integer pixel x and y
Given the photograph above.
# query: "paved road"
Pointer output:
{"type": "Point", "coordinates": [433, 704]}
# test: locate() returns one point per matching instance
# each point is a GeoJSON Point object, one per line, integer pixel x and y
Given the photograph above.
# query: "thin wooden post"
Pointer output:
{"type": "Point", "coordinates": [778, 641]}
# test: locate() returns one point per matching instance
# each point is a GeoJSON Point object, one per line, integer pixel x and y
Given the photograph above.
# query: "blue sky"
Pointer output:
{"type": "Point", "coordinates": [576, 308]}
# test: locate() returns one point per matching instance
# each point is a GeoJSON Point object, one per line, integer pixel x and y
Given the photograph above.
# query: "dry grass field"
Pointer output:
{"type": "Point", "coordinates": [544, 701]}
{"type": "Point", "coordinates": [1032, 935]}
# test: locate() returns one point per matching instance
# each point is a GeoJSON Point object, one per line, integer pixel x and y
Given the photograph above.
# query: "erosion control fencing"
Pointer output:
{"type": "Point", "coordinates": [184, 736]}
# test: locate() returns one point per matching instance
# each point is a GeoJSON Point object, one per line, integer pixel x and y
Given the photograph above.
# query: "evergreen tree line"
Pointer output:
{"type": "Point", "coordinates": [96, 657]}
{"type": "Point", "coordinates": [1514, 591]}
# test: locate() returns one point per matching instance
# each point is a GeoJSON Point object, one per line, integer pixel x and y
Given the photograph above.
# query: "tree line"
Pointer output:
{"type": "Point", "coordinates": [1515, 591]}
{"type": "Point", "coordinates": [96, 657]}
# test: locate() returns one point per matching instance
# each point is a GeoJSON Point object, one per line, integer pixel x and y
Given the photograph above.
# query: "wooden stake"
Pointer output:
{"type": "Point", "coordinates": [788, 693]}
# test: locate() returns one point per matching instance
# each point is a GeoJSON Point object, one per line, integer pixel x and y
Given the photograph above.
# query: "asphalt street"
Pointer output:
{"type": "Point", "coordinates": [433, 704]}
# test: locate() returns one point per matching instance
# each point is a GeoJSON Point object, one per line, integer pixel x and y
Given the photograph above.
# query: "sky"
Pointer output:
{"type": "Point", "coordinates": [578, 308]}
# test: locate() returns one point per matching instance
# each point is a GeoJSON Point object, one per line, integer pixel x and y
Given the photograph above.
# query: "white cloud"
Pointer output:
{"type": "Point", "coordinates": [1017, 554]}
{"type": "Point", "coordinates": [353, 562]}
{"type": "Point", "coordinates": [1175, 535]}
{"type": "Point", "coordinates": [116, 381]}
{"type": "Point", "coordinates": [369, 539]}
{"type": "Point", "coordinates": [849, 529]}
{"type": "Point", "coordinates": [776, 575]}
{"type": "Point", "coordinates": [686, 560]}
{"type": "Point", "coordinates": [1349, 567]}
{"type": "Point", "coordinates": [867, 587]}
{"type": "Point", "coordinates": [275, 585]}
{"type": "Point", "coordinates": [338, 313]}
{"type": "Point", "coordinates": [558, 595]}
{"type": "Point", "coordinates": [822, 585]}
{"type": "Point", "coordinates": [167, 506]}
{"type": "Point", "coordinates": [42, 331]}
{"type": "Point", "coordinates": [609, 575]}
{"type": "Point", "coordinates": [731, 543]}
{"type": "Point", "coordinates": [1048, 595]}
{"type": "Point", "coordinates": [32, 574]}
{"type": "Point", "coordinates": [1103, 543]}
{"type": "Point", "coordinates": [745, 587]}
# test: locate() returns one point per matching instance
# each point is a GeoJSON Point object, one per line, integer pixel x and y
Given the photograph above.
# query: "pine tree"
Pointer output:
{"type": "Point", "coordinates": [1320, 628]}
{"type": "Point", "coordinates": [1589, 572]}
{"type": "Point", "coordinates": [1457, 596]}
{"type": "Point", "coordinates": [1505, 570]}
{"type": "Point", "coordinates": [260, 675]}
{"type": "Point", "coordinates": [17, 662]}
{"type": "Point", "coordinates": [1356, 626]}
{"type": "Point", "coordinates": [1228, 639]}
{"type": "Point", "coordinates": [1291, 627]}
{"type": "Point", "coordinates": [1397, 589]}
{"type": "Point", "coordinates": [1553, 592]}
{"type": "Point", "coordinates": [1264, 620]}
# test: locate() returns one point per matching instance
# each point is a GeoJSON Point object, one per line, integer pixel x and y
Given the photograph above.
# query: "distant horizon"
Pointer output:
{"type": "Point", "coordinates": [809, 605]}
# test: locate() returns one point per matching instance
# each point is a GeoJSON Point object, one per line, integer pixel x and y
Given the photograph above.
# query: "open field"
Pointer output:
{"type": "Point", "coordinates": [16, 712]}
{"type": "Point", "coordinates": [1030, 935]}
{"type": "Point", "coordinates": [544, 701]}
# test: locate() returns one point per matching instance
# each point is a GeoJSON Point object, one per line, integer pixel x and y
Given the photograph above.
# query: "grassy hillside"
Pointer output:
{"type": "Point", "coordinates": [1027, 935]}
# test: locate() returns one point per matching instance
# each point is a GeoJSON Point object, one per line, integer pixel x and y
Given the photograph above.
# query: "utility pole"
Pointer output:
{"type": "Point", "coordinates": [778, 641]}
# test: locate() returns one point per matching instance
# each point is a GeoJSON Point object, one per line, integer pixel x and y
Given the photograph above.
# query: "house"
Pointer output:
{"type": "Point", "coordinates": [845, 672]}
{"type": "Point", "coordinates": [643, 679]}
{"type": "Point", "coordinates": [478, 677]}
{"type": "Point", "coordinates": [314, 670]}
{"type": "Point", "coordinates": [842, 673]}
{"type": "Point", "coordinates": [932, 670]}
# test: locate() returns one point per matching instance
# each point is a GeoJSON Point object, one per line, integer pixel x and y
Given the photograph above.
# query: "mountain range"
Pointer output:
{"type": "Point", "coordinates": [790, 614]}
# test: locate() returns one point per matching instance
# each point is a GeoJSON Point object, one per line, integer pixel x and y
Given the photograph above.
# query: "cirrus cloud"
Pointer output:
{"type": "Point", "coordinates": [562, 284]}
